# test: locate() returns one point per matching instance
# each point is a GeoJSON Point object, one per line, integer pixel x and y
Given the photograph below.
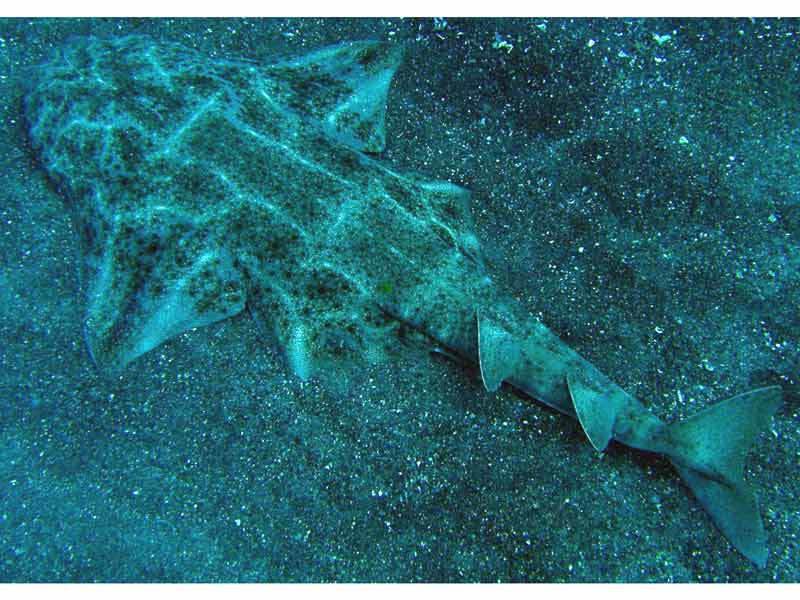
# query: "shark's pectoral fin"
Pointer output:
{"type": "Point", "coordinates": [596, 413]}
{"type": "Point", "coordinates": [498, 353]}
{"type": "Point", "coordinates": [343, 87]}
{"type": "Point", "coordinates": [137, 303]}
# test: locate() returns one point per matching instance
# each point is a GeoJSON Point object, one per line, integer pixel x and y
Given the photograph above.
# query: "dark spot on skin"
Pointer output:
{"type": "Point", "coordinates": [384, 287]}
{"type": "Point", "coordinates": [368, 55]}
{"type": "Point", "coordinates": [539, 69]}
{"type": "Point", "coordinates": [157, 288]}
{"type": "Point", "coordinates": [89, 233]}
{"type": "Point", "coordinates": [153, 246]}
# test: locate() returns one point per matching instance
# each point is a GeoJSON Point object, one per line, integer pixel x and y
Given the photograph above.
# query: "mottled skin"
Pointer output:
{"type": "Point", "coordinates": [201, 187]}
{"type": "Point", "coordinates": [202, 178]}
{"type": "Point", "coordinates": [238, 195]}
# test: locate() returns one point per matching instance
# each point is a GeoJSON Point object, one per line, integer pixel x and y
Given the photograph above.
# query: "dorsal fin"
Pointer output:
{"type": "Point", "coordinates": [596, 413]}
{"type": "Point", "coordinates": [498, 353]}
{"type": "Point", "coordinates": [344, 87]}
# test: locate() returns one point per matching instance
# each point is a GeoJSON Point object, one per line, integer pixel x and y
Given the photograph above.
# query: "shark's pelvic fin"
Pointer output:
{"type": "Point", "coordinates": [298, 352]}
{"type": "Point", "coordinates": [709, 454]}
{"type": "Point", "coordinates": [344, 88]}
{"type": "Point", "coordinates": [275, 312]}
{"type": "Point", "coordinates": [596, 412]}
{"type": "Point", "coordinates": [498, 353]}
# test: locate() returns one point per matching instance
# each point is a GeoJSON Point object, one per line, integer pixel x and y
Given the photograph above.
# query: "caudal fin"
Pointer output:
{"type": "Point", "coordinates": [710, 449]}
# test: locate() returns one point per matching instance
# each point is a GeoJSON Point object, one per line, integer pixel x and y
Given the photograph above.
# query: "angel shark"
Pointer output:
{"type": "Point", "coordinates": [201, 187]}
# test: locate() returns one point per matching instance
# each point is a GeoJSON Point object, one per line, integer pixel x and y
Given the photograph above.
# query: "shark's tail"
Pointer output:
{"type": "Point", "coordinates": [709, 453]}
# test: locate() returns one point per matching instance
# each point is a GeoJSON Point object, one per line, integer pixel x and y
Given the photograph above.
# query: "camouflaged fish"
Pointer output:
{"type": "Point", "coordinates": [203, 186]}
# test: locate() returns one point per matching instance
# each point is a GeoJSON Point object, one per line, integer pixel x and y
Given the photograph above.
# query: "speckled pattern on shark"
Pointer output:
{"type": "Point", "coordinates": [201, 186]}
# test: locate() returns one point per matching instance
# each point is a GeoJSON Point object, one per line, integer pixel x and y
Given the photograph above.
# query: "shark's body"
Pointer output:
{"type": "Point", "coordinates": [201, 187]}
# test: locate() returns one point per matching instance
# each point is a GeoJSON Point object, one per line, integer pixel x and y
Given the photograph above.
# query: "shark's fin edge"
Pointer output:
{"type": "Point", "coordinates": [344, 88]}
{"type": "Point", "coordinates": [498, 353]}
{"type": "Point", "coordinates": [716, 441]}
{"type": "Point", "coordinates": [125, 320]}
{"type": "Point", "coordinates": [595, 415]}
{"type": "Point", "coordinates": [734, 510]}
